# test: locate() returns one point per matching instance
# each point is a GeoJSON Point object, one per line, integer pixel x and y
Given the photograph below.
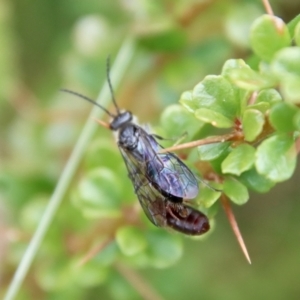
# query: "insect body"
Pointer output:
{"type": "Point", "coordinates": [161, 180]}
{"type": "Point", "coordinates": [186, 219]}
{"type": "Point", "coordinates": [166, 172]}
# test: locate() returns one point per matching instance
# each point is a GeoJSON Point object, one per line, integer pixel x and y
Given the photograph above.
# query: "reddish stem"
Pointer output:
{"type": "Point", "coordinates": [278, 24]}
{"type": "Point", "coordinates": [210, 140]}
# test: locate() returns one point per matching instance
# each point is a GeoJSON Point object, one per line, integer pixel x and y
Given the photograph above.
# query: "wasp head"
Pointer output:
{"type": "Point", "coordinates": [120, 120]}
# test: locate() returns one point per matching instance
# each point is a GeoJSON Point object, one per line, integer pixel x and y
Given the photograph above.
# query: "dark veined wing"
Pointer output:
{"type": "Point", "coordinates": [150, 199]}
{"type": "Point", "coordinates": [168, 173]}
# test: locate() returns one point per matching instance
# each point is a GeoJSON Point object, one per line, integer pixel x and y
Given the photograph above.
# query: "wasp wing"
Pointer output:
{"type": "Point", "coordinates": [167, 172]}
{"type": "Point", "coordinates": [150, 199]}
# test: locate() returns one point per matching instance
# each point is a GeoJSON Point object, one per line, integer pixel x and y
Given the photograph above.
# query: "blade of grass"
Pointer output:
{"type": "Point", "coordinates": [117, 74]}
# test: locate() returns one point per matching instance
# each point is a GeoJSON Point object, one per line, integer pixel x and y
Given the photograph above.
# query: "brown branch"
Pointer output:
{"type": "Point", "coordinates": [234, 226]}
{"type": "Point", "coordinates": [210, 140]}
{"type": "Point", "coordinates": [297, 145]}
{"type": "Point", "coordinates": [140, 285]}
{"type": "Point", "coordinates": [268, 7]}
{"type": "Point", "coordinates": [94, 251]}
{"type": "Point", "coordinates": [252, 98]}
{"type": "Point", "coordinates": [277, 22]}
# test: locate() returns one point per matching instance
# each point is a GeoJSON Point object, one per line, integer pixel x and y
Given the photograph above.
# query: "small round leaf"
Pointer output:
{"type": "Point", "coordinates": [215, 118]}
{"type": "Point", "coordinates": [253, 123]}
{"type": "Point", "coordinates": [239, 160]}
{"type": "Point", "coordinates": [268, 95]}
{"type": "Point", "coordinates": [208, 196]}
{"type": "Point", "coordinates": [164, 249]}
{"type": "Point", "coordinates": [236, 191]}
{"type": "Point", "coordinates": [255, 181]}
{"type": "Point", "coordinates": [268, 35]}
{"type": "Point", "coordinates": [212, 151]}
{"type": "Point", "coordinates": [99, 194]}
{"type": "Point", "coordinates": [286, 63]}
{"type": "Point", "coordinates": [282, 116]}
{"type": "Point", "coordinates": [217, 94]}
{"type": "Point", "coordinates": [131, 240]}
{"type": "Point", "coordinates": [175, 118]}
{"type": "Point", "coordinates": [276, 158]}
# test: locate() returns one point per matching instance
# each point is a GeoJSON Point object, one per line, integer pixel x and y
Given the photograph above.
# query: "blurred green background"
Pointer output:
{"type": "Point", "coordinates": [46, 45]}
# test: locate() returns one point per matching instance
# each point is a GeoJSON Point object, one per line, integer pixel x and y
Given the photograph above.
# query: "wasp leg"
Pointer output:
{"type": "Point", "coordinates": [177, 140]}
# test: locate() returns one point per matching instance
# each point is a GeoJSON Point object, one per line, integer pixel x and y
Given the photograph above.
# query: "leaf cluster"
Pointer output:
{"type": "Point", "coordinates": [259, 105]}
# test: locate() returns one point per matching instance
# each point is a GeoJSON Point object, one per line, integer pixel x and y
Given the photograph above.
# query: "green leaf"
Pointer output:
{"type": "Point", "coordinates": [242, 95]}
{"type": "Point", "coordinates": [212, 151]}
{"type": "Point", "coordinates": [216, 93]}
{"type": "Point", "coordinates": [103, 153]}
{"type": "Point", "coordinates": [235, 191]}
{"type": "Point", "coordinates": [187, 101]}
{"type": "Point", "coordinates": [89, 275]}
{"type": "Point", "coordinates": [208, 196]}
{"type": "Point", "coordinates": [175, 118]}
{"type": "Point", "coordinates": [286, 66]}
{"type": "Point", "coordinates": [297, 33]}
{"type": "Point", "coordinates": [261, 106]}
{"type": "Point", "coordinates": [253, 122]}
{"type": "Point", "coordinates": [282, 116]}
{"type": "Point", "coordinates": [130, 240]}
{"type": "Point", "coordinates": [286, 63]}
{"type": "Point", "coordinates": [268, 35]}
{"type": "Point", "coordinates": [290, 89]}
{"type": "Point", "coordinates": [217, 163]}
{"type": "Point", "coordinates": [268, 95]}
{"type": "Point", "coordinates": [239, 160]}
{"type": "Point", "coordinates": [214, 118]}
{"type": "Point", "coordinates": [249, 79]}
{"type": "Point", "coordinates": [292, 25]}
{"type": "Point", "coordinates": [256, 181]}
{"type": "Point", "coordinates": [297, 120]}
{"type": "Point", "coordinates": [99, 194]}
{"type": "Point", "coordinates": [30, 215]}
{"type": "Point", "coordinates": [276, 158]}
{"type": "Point", "coordinates": [54, 275]}
{"type": "Point", "coordinates": [233, 64]}
{"type": "Point", "coordinates": [108, 255]}
{"type": "Point", "coordinates": [164, 248]}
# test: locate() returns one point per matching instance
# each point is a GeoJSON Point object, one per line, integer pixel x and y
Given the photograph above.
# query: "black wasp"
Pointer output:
{"type": "Point", "coordinates": [161, 180]}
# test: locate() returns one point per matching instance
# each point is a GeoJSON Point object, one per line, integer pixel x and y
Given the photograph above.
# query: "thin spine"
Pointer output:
{"type": "Point", "coordinates": [235, 227]}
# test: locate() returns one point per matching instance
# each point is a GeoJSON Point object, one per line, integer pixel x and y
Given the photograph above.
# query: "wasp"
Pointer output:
{"type": "Point", "coordinates": [161, 180]}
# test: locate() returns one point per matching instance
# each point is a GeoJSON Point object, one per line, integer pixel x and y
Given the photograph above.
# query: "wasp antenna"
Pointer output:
{"type": "Point", "coordinates": [89, 100]}
{"type": "Point", "coordinates": [110, 85]}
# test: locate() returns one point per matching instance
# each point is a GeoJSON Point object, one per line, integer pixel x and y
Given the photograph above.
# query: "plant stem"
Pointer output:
{"type": "Point", "coordinates": [117, 74]}
{"type": "Point", "coordinates": [206, 141]}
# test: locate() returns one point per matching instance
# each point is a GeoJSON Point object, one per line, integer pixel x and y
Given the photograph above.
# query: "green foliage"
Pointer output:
{"type": "Point", "coordinates": [239, 160]}
{"type": "Point", "coordinates": [235, 191]}
{"type": "Point", "coordinates": [130, 240]}
{"type": "Point", "coordinates": [262, 118]}
{"type": "Point", "coordinates": [212, 151]}
{"type": "Point", "coordinates": [268, 35]}
{"type": "Point", "coordinates": [254, 99]}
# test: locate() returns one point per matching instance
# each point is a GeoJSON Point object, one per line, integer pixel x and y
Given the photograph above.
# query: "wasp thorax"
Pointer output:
{"type": "Point", "coordinates": [120, 120]}
{"type": "Point", "coordinates": [129, 136]}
